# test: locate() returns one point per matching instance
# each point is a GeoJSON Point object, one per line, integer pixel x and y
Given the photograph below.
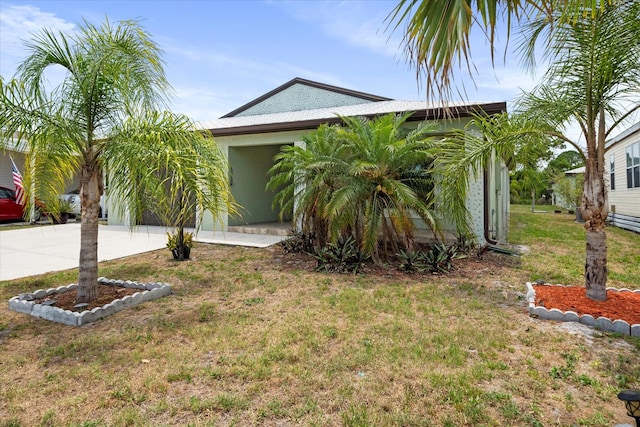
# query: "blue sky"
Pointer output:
{"type": "Point", "coordinates": [221, 54]}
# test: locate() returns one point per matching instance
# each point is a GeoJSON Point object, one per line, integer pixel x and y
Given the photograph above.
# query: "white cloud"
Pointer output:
{"type": "Point", "coordinates": [17, 24]}
{"type": "Point", "coordinates": [359, 23]}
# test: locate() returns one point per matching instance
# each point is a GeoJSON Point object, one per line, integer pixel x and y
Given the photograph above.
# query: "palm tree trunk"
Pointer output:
{"type": "Point", "coordinates": [594, 212]}
{"type": "Point", "coordinates": [90, 190]}
{"type": "Point", "coordinates": [595, 269]}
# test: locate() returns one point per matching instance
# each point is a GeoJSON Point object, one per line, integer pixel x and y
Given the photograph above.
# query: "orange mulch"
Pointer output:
{"type": "Point", "coordinates": [618, 305]}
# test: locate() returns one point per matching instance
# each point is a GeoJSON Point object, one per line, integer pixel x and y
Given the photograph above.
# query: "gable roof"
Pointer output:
{"type": "Point", "coordinates": [576, 171]}
{"type": "Point", "coordinates": [311, 119]}
{"type": "Point", "coordinates": [365, 97]}
{"type": "Point", "coordinates": [622, 136]}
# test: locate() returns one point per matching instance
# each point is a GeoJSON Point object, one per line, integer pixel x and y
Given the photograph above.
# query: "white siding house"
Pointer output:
{"type": "Point", "coordinates": [622, 170]}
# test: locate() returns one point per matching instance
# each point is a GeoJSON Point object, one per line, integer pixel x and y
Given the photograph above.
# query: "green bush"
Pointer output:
{"type": "Point", "coordinates": [298, 243]}
{"type": "Point", "coordinates": [438, 259]}
{"type": "Point", "coordinates": [343, 256]}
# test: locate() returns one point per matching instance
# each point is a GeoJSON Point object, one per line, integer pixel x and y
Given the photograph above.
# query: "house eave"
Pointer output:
{"type": "Point", "coordinates": [622, 136]}
{"type": "Point", "coordinates": [419, 115]}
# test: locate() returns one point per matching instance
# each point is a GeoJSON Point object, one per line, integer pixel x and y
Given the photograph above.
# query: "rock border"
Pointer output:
{"type": "Point", "coordinates": [24, 303]}
{"type": "Point", "coordinates": [603, 323]}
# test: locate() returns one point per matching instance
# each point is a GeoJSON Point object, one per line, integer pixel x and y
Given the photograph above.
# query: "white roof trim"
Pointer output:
{"type": "Point", "coordinates": [623, 135]}
{"type": "Point", "coordinates": [369, 108]}
{"type": "Point", "coordinates": [575, 171]}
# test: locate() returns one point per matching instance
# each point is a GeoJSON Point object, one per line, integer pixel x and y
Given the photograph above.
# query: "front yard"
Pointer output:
{"type": "Point", "coordinates": [250, 337]}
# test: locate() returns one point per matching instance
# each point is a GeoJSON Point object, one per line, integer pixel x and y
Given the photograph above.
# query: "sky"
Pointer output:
{"type": "Point", "coordinates": [222, 54]}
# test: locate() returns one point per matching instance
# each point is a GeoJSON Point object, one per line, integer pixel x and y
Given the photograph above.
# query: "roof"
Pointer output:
{"type": "Point", "coordinates": [364, 96]}
{"type": "Point", "coordinates": [311, 119]}
{"type": "Point", "coordinates": [623, 135]}
{"type": "Point", "coordinates": [575, 171]}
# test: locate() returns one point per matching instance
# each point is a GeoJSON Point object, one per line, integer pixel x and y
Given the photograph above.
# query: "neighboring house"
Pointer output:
{"type": "Point", "coordinates": [254, 133]}
{"type": "Point", "coordinates": [558, 199]}
{"type": "Point", "coordinates": [6, 176]}
{"type": "Point", "coordinates": [622, 169]}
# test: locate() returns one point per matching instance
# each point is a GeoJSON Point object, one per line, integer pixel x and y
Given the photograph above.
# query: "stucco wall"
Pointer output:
{"type": "Point", "coordinates": [301, 97]}
{"type": "Point", "coordinates": [250, 166]}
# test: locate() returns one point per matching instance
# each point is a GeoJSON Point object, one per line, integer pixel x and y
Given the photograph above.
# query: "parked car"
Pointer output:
{"type": "Point", "coordinates": [74, 201]}
{"type": "Point", "coordinates": [9, 209]}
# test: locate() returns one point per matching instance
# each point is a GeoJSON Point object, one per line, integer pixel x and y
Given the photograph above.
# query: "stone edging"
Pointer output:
{"type": "Point", "coordinates": [23, 303]}
{"type": "Point", "coordinates": [602, 323]}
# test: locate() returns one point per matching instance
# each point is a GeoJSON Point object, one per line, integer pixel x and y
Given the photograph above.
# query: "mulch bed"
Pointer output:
{"type": "Point", "coordinates": [106, 294]}
{"type": "Point", "coordinates": [618, 305]}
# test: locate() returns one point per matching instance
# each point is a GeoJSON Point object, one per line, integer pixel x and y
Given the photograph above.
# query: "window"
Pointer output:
{"type": "Point", "coordinates": [612, 169]}
{"type": "Point", "coordinates": [5, 193]}
{"type": "Point", "coordinates": [633, 166]}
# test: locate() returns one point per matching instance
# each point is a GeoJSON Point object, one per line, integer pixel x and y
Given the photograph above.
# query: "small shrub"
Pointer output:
{"type": "Point", "coordinates": [298, 242]}
{"type": "Point", "coordinates": [343, 256]}
{"type": "Point", "coordinates": [172, 240]}
{"type": "Point", "coordinates": [410, 261]}
{"type": "Point", "coordinates": [438, 259]}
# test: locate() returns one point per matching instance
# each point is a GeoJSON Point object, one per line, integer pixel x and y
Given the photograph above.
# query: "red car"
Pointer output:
{"type": "Point", "coordinates": [9, 209]}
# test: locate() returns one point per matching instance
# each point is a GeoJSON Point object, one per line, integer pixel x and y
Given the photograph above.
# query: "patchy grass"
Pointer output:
{"type": "Point", "coordinates": [254, 337]}
{"type": "Point", "coordinates": [558, 245]}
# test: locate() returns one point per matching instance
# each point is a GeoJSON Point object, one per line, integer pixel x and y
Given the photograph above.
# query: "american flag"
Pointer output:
{"type": "Point", "coordinates": [17, 181]}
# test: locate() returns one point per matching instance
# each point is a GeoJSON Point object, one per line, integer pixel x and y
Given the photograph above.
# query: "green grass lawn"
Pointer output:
{"type": "Point", "coordinates": [558, 245]}
{"type": "Point", "coordinates": [254, 337]}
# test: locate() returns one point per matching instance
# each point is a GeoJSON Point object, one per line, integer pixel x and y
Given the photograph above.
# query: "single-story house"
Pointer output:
{"type": "Point", "coordinates": [6, 175]}
{"type": "Point", "coordinates": [558, 199]}
{"type": "Point", "coordinates": [14, 152]}
{"type": "Point", "coordinates": [251, 135]}
{"type": "Point", "coordinates": [623, 172]}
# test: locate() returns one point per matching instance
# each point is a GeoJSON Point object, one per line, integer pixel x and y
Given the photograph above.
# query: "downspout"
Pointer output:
{"type": "Point", "coordinates": [485, 202]}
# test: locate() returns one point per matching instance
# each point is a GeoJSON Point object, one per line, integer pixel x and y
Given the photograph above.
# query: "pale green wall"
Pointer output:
{"type": "Point", "coordinates": [250, 166]}
{"type": "Point", "coordinates": [251, 156]}
{"type": "Point", "coordinates": [302, 97]}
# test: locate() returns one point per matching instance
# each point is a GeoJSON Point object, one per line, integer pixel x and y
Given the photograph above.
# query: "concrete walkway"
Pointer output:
{"type": "Point", "coordinates": [42, 249]}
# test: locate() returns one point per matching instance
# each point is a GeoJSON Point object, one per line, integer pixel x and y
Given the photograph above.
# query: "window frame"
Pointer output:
{"type": "Point", "coordinates": [612, 172]}
{"type": "Point", "coordinates": [632, 154]}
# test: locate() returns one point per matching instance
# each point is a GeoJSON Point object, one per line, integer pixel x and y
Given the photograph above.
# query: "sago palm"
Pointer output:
{"type": "Point", "coordinates": [102, 118]}
{"type": "Point", "coordinates": [385, 183]}
{"type": "Point", "coordinates": [304, 178]}
{"type": "Point", "coordinates": [366, 179]}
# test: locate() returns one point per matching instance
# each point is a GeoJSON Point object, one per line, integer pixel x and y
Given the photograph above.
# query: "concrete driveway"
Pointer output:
{"type": "Point", "coordinates": [41, 249]}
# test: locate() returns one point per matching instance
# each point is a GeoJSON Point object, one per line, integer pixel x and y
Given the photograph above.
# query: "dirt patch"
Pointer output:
{"type": "Point", "coordinates": [470, 265]}
{"type": "Point", "coordinates": [618, 305]}
{"type": "Point", "coordinates": [106, 295]}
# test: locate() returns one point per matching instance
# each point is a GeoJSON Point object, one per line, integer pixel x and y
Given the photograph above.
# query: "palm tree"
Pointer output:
{"type": "Point", "coordinates": [595, 70]}
{"type": "Point", "coordinates": [436, 34]}
{"type": "Point", "coordinates": [594, 49]}
{"type": "Point", "coordinates": [363, 180]}
{"type": "Point", "coordinates": [304, 178]}
{"type": "Point", "coordinates": [386, 183]}
{"type": "Point", "coordinates": [103, 116]}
